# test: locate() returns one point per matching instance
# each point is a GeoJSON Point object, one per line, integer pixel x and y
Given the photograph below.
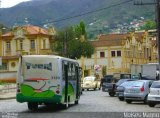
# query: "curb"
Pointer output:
{"type": "Point", "coordinates": [7, 98]}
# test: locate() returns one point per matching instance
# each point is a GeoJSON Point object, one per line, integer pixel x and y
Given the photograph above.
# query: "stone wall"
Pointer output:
{"type": "Point", "coordinates": [8, 76]}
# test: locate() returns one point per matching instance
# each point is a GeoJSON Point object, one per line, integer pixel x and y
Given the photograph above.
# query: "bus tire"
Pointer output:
{"type": "Point", "coordinates": [76, 102]}
{"type": "Point", "coordinates": [32, 106]}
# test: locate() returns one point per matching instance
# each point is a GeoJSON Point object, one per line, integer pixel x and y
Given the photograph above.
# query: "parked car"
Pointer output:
{"type": "Point", "coordinates": [112, 87]}
{"type": "Point", "coordinates": [135, 77]}
{"type": "Point", "coordinates": [91, 82]}
{"type": "Point", "coordinates": [109, 86]}
{"type": "Point", "coordinates": [154, 95]}
{"type": "Point", "coordinates": [138, 91]}
{"type": "Point", "coordinates": [120, 89]}
{"type": "Point", "coordinates": [106, 78]}
{"type": "Point", "coordinates": [119, 76]}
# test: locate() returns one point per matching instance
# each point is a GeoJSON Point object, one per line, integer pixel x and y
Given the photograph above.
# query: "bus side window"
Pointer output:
{"type": "Point", "coordinates": [63, 71]}
{"type": "Point", "coordinates": [71, 71]}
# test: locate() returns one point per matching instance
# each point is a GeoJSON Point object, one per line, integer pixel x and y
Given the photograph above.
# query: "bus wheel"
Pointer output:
{"type": "Point", "coordinates": [32, 106]}
{"type": "Point", "coordinates": [76, 102]}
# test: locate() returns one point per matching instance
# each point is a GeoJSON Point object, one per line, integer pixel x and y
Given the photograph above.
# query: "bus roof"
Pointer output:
{"type": "Point", "coordinates": [50, 56]}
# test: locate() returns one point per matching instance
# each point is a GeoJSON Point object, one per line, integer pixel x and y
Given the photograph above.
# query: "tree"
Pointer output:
{"type": "Point", "coordinates": [72, 43]}
{"type": "Point", "coordinates": [104, 70]}
{"type": "Point", "coordinates": [3, 28]}
{"type": "Point", "coordinates": [149, 24]}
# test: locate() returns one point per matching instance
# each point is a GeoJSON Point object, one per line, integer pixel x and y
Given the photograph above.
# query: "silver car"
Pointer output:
{"type": "Point", "coordinates": [154, 95]}
{"type": "Point", "coordinates": [138, 91]}
{"type": "Point", "coordinates": [120, 89]}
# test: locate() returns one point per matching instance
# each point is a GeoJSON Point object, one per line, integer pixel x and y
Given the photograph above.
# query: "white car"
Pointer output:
{"type": "Point", "coordinates": [154, 95]}
{"type": "Point", "coordinates": [91, 82]}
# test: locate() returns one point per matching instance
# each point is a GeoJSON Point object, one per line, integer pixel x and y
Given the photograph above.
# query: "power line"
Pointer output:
{"type": "Point", "coordinates": [89, 12]}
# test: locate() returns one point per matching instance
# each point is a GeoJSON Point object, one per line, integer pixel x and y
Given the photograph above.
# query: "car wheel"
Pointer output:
{"type": "Point", "coordinates": [121, 98]}
{"type": "Point", "coordinates": [151, 104]}
{"type": "Point", "coordinates": [129, 101]}
{"type": "Point", "coordinates": [145, 100]}
{"type": "Point", "coordinates": [111, 94]}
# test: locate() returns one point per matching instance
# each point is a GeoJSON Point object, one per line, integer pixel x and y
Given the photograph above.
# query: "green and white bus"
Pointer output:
{"type": "Point", "coordinates": [49, 80]}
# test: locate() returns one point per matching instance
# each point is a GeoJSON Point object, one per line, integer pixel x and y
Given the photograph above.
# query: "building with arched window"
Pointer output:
{"type": "Point", "coordinates": [116, 52]}
{"type": "Point", "coordinates": [24, 40]}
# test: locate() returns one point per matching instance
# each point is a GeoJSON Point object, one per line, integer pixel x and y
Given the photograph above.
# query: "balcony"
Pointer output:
{"type": "Point", "coordinates": [46, 51]}
{"type": "Point", "coordinates": [32, 52]}
{"type": "Point", "coordinates": [8, 53]}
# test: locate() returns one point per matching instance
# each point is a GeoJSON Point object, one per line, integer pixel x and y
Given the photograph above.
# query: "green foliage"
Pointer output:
{"type": "Point", "coordinates": [104, 68]}
{"type": "Point", "coordinates": [3, 28]}
{"type": "Point", "coordinates": [70, 43]}
{"type": "Point", "coordinates": [149, 24]}
{"type": "Point", "coordinates": [51, 10]}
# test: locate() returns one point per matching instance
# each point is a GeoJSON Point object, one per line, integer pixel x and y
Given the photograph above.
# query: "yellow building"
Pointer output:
{"type": "Point", "coordinates": [117, 51]}
{"type": "Point", "coordinates": [24, 40]}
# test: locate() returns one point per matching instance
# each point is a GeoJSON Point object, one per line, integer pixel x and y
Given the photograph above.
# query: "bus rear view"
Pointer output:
{"type": "Point", "coordinates": [39, 80]}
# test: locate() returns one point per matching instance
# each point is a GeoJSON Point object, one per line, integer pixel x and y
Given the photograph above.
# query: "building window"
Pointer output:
{"type": "Point", "coordinates": [118, 53]}
{"type": "Point", "coordinates": [21, 45]}
{"type": "Point", "coordinates": [102, 55]}
{"type": "Point", "coordinates": [3, 66]}
{"type": "Point", "coordinates": [113, 54]}
{"type": "Point", "coordinates": [33, 44]}
{"type": "Point", "coordinates": [8, 46]}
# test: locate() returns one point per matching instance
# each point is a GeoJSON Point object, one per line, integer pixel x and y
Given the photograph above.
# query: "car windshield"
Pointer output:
{"type": "Point", "coordinates": [135, 77]}
{"type": "Point", "coordinates": [121, 81]}
{"type": "Point", "coordinates": [89, 78]}
{"type": "Point", "coordinates": [125, 76]}
{"type": "Point", "coordinates": [155, 85]}
{"type": "Point", "coordinates": [108, 78]}
{"type": "Point", "coordinates": [127, 83]}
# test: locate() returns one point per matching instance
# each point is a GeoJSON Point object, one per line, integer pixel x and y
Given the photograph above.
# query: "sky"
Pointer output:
{"type": "Point", "coordinates": [10, 3]}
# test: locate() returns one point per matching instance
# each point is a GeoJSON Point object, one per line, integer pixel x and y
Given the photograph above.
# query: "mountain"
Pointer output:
{"type": "Point", "coordinates": [107, 13]}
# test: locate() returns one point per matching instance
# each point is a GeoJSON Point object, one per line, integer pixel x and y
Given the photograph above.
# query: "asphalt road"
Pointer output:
{"type": "Point", "coordinates": [92, 104]}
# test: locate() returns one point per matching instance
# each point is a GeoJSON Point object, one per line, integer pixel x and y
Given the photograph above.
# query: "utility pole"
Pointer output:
{"type": "Point", "coordinates": [157, 3]}
{"type": "Point", "coordinates": [158, 31]}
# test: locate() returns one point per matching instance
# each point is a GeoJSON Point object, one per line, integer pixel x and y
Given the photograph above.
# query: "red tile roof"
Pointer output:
{"type": "Point", "coordinates": [110, 40]}
{"type": "Point", "coordinates": [116, 39]}
{"type": "Point", "coordinates": [35, 30]}
{"type": "Point", "coordinates": [30, 30]}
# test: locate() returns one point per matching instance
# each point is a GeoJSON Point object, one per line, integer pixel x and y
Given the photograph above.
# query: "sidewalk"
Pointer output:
{"type": "Point", "coordinates": [7, 91]}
